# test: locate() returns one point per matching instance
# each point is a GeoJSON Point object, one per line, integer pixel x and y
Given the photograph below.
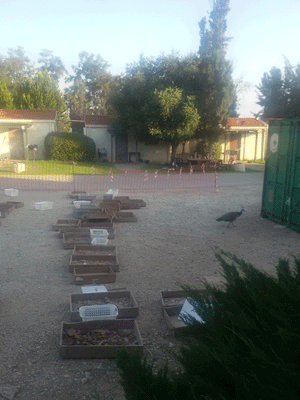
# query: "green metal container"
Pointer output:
{"type": "Point", "coordinates": [281, 190]}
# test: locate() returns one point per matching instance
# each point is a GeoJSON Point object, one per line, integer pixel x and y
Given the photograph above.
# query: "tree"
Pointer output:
{"type": "Point", "coordinates": [42, 93]}
{"type": "Point", "coordinates": [176, 120]}
{"type": "Point", "coordinates": [15, 67]}
{"type": "Point", "coordinates": [219, 95]}
{"type": "Point", "coordinates": [272, 95]}
{"type": "Point", "coordinates": [90, 86]}
{"type": "Point", "coordinates": [52, 64]}
{"type": "Point", "coordinates": [6, 99]}
{"type": "Point", "coordinates": [136, 100]}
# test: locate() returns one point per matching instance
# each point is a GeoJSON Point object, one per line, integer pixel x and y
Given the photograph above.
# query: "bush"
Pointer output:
{"type": "Point", "coordinates": [69, 147]}
{"type": "Point", "coordinates": [203, 146]}
{"type": "Point", "coordinates": [247, 349]}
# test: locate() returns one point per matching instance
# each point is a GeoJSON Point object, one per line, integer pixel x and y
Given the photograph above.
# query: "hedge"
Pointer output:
{"type": "Point", "coordinates": [69, 147]}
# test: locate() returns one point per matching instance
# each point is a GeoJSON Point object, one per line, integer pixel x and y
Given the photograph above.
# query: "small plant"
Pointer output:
{"type": "Point", "coordinates": [248, 347]}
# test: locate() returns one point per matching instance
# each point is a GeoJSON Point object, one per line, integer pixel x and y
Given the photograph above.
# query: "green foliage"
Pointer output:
{"type": "Point", "coordinates": [248, 346]}
{"type": "Point", "coordinates": [219, 89]}
{"type": "Point", "coordinates": [15, 67]}
{"type": "Point", "coordinates": [6, 99]}
{"type": "Point", "coordinates": [279, 92]}
{"type": "Point", "coordinates": [176, 119]}
{"type": "Point", "coordinates": [90, 86]}
{"type": "Point", "coordinates": [202, 148]}
{"type": "Point", "coordinates": [69, 146]}
{"type": "Point", "coordinates": [53, 65]}
{"type": "Point", "coordinates": [42, 93]}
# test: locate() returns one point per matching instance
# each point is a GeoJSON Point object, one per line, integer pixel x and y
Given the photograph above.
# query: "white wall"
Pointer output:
{"type": "Point", "coordinates": [34, 133]}
{"type": "Point", "coordinates": [4, 144]}
{"type": "Point", "coordinates": [159, 153]}
{"type": "Point", "coordinates": [100, 136]}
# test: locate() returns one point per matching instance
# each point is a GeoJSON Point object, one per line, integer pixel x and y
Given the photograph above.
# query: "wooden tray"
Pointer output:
{"type": "Point", "coordinates": [97, 249]}
{"type": "Point", "coordinates": [95, 275]}
{"type": "Point", "coordinates": [124, 217]}
{"type": "Point", "coordinates": [89, 261]}
{"type": "Point", "coordinates": [85, 230]}
{"type": "Point", "coordinates": [63, 223]}
{"type": "Point", "coordinates": [94, 298]}
{"type": "Point", "coordinates": [99, 351]}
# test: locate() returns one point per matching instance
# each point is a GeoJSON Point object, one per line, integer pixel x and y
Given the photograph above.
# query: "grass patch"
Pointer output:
{"type": "Point", "coordinates": [51, 167]}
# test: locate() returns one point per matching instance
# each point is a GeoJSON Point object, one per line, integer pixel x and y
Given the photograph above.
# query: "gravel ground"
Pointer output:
{"type": "Point", "coordinates": [172, 243]}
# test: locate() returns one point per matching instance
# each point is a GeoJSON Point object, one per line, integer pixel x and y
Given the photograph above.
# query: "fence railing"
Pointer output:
{"type": "Point", "coordinates": [138, 181]}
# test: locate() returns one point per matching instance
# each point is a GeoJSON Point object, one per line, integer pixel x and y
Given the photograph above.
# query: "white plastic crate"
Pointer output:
{"type": "Point", "coordinates": [81, 203]}
{"type": "Point", "coordinates": [43, 205]}
{"type": "Point", "coordinates": [106, 311]}
{"type": "Point", "coordinates": [114, 192]}
{"type": "Point", "coordinates": [11, 192]}
{"type": "Point", "coordinates": [99, 241]}
{"type": "Point", "coordinates": [101, 233]}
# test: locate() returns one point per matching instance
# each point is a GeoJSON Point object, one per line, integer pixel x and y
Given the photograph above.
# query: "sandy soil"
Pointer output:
{"type": "Point", "coordinates": [172, 243]}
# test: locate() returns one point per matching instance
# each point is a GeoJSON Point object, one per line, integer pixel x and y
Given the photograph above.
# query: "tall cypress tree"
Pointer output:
{"type": "Point", "coordinates": [219, 90]}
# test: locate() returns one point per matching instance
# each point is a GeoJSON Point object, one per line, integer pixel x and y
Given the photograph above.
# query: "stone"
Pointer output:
{"type": "Point", "coordinates": [8, 392]}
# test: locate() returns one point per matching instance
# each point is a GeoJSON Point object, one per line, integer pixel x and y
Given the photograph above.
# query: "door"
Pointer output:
{"type": "Point", "coordinates": [16, 144]}
{"type": "Point", "coordinates": [122, 148]}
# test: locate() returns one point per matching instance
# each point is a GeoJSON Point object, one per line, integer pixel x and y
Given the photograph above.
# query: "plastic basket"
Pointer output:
{"type": "Point", "coordinates": [11, 192]}
{"type": "Point", "coordinates": [43, 205]}
{"type": "Point", "coordinates": [106, 311]}
{"type": "Point", "coordinates": [95, 233]}
{"type": "Point", "coordinates": [82, 203]}
{"type": "Point", "coordinates": [99, 241]}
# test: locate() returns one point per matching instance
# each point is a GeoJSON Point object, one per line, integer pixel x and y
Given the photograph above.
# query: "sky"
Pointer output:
{"type": "Point", "coordinates": [262, 32]}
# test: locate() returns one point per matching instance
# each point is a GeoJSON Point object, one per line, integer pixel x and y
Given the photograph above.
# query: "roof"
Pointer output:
{"type": "Point", "coordinates": [243, 122]}
{"type": "Point", "coordinates": [28, 114]}
{"type": "Point", "coordinates": [99, 119]}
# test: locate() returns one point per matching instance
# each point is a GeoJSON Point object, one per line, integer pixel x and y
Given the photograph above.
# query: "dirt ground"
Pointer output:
{"type": "Point", "coordinates": [172, 243]}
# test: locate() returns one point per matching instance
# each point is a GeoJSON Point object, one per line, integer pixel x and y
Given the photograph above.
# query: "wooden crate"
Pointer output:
{"type": "Point", "coordinates": [81, 262]}
{"type": "Point", "coordinates": [124, 217]}
{"type": "Point", "coordinates": [96, 298]}
{"type": "Point", "coordinates": [98, 216]}
{"type": "Point", "coordinates": [178, 297]}
{"type": "Point", "coordinates": [85, 230]}
{"type": "Point", "coordinates": [99, 351]}
{"type": "Point", "coordinates": [16, 204]}
{"type": "Point", "coordinates": [171, 316]}
{"type": "Point", "coordinates": [91, 249]}
{"type": "Point", "coordinates": [95, 275]}
{"type": "Point", "coordinates": [63, 223]}
{"type": "Point", "coordinates": [95, 225]}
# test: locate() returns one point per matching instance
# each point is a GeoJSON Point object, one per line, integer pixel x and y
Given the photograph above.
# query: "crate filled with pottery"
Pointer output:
{"type": "Point", "coordinates": [102, 323]}
{"type": "Point", "coordinates": [94, 264]}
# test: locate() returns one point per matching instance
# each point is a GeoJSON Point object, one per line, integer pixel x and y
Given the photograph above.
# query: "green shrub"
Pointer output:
{"type": "Point", "coordinates": [248, 347]}
{"type": "Point", "coordinates": [69, 147]}
{"type": "Point", "coordinates": [202, 147]}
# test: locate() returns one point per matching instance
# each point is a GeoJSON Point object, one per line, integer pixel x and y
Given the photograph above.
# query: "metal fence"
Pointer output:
{"type": "Point", "coordinates": [130, 181]}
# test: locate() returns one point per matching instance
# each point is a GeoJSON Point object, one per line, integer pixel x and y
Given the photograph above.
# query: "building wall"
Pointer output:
{"type": "Point", "coordinates": [159, 153]}
{"type": "Point", "coordinates": [34, 133]}
{"type": "Point", "coordinates": [101, 137]}
{"type": "Point", "coordinates": [4, 144]}
{"type": "Point", "coordinates": [248, 141]}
